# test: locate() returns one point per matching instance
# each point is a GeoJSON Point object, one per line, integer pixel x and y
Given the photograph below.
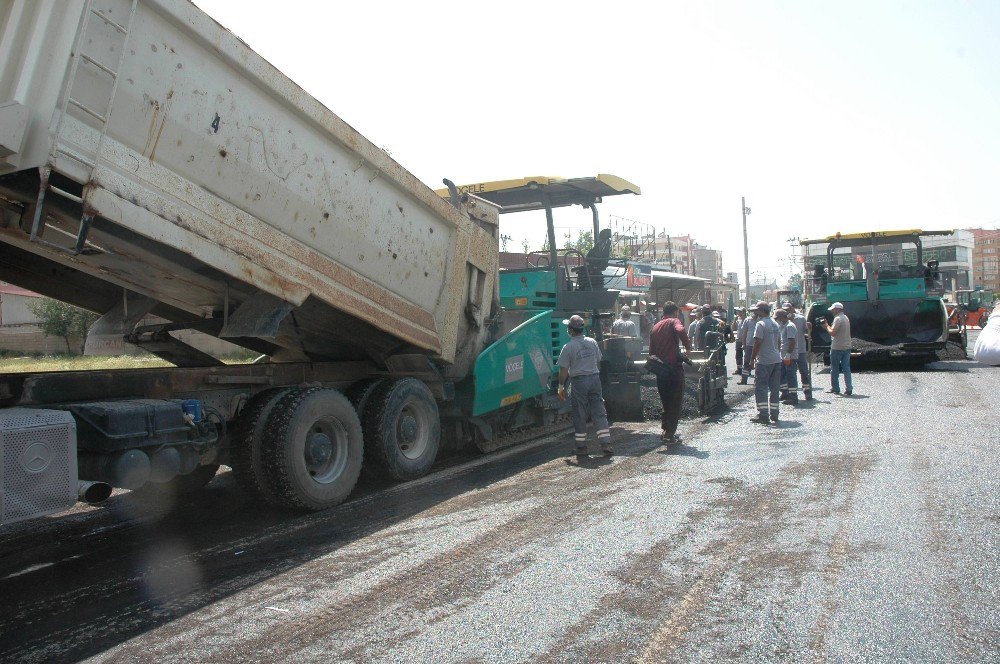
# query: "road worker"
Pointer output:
{"type": "Point", "coordinates": [840, 349]}
{"type": "Point", "coordinates": [739, 337]}
{"type": "Point", "coordinates": [765, 358]}
{"type": "Point", "coordinates": [787, 349]}
{"type": "Point", "coordinates": [625, 326]}
{"type": "Point", "coordinates": [579, 365]}
{"type": "Point", "coordinates": [800, 362]}
{"type": "Point", "coordinates": [749, 325]}
{"type": "Point", "coordinates": [665, 363]}
{"type": "Point", "coordinates": [709, 323]}
{"type": "Point", "coordinates": [696, 316]}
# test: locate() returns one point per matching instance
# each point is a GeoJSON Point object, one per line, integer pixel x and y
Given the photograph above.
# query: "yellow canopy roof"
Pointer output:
{"type": "Point", "coordinates": [537, 192]}
{"type": "Point", "coordinates": [874, 235]}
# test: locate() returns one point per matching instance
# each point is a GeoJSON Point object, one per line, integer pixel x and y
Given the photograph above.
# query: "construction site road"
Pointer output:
{"type": "Point", "coordinates": [863, 528]}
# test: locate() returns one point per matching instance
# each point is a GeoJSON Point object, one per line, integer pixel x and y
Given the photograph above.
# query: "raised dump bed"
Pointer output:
{"type": "Point", "coordinates": [151, 162]}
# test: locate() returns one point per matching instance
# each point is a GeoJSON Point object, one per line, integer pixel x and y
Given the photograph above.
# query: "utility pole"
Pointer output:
{"type": "Point", "coordinates": [670, 253]}
{"type": "Point", "coordinates": [746, 249]}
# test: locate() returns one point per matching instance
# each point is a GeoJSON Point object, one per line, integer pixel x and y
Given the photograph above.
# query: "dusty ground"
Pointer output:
{"type": "Point", "coordinates": [862, 529]}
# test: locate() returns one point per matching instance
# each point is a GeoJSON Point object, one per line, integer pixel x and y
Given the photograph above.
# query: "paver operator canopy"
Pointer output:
{"type": "Point", "coordinates": [546, 193]}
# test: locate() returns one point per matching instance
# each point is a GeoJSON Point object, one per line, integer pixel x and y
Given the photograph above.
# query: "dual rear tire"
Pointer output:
{"type": "Point", "coordinates": [304, 448]}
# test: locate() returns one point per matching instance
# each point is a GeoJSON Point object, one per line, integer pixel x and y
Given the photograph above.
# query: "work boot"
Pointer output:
{"type": "Point", "coordinates": [581, 453]}
{"type": "Point", "coordinates": [761, 419]}
{"type": "Point", "coordinates": [608, 452]}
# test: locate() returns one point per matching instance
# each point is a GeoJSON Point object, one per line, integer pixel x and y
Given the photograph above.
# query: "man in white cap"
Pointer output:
{"type": "Point", "coordinates": [765, 358]}
{"type": "Point", "coordinates": [579, 364]}
{"type": "Point", "coordinates": [840, 349]}
{"type": "Point", "coordinates": [625, 326]}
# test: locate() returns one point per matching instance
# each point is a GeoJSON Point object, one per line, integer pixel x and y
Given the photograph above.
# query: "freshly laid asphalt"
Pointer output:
{"type": "Point", "coordinates": [861, 529]}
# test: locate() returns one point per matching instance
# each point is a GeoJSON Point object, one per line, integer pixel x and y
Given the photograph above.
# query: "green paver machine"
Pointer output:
{"type": "Point", "coordinates": [537, 298]}
{"type": "Point", "coordinates": [892, 298]}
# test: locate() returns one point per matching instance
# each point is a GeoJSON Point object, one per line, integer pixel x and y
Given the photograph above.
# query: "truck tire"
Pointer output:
{"type": "Point", "coordinates": [402, 429]}
{"type": "Point", "coordinates": [360, 393]}
{"type": "Point", "coordinates": [245, 443]}
{"type": "Point", "coordinates": [311, 449]}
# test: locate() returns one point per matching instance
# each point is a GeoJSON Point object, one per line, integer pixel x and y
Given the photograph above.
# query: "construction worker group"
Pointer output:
{"type": "Point", "coordinates": [775, 349]}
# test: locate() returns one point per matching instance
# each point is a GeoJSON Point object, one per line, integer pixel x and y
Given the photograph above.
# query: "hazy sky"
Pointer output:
{"type": "Point", "coordinates": [827, 116]}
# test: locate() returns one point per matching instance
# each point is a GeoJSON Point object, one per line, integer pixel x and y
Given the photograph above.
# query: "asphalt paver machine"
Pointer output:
{"type": "Point", "coordinates": [566, 282]}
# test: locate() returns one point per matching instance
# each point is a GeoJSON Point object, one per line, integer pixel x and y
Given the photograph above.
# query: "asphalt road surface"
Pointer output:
{"type": "Point", "coordinates": [861, 529]}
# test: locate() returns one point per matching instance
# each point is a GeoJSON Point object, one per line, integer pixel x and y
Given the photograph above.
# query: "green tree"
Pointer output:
{"type": "Point", "coordinates": [584, 242]}
{"type": "Point", "coordinates": [58, 319]}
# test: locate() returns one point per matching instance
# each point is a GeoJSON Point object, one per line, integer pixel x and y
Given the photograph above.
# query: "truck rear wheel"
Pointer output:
{"type": "Point", "coordinates": [402, 429]}
{"type": "Point", "coordinates": [245, 445]}
{"type": "Point", "coordinates": [312, 448]}
{"type": "Point", "coordinates": [360, 393]}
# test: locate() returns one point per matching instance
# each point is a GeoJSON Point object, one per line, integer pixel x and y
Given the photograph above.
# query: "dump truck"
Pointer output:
{"type": "Point", "coordinates": [893, 299]}
{"type": "Point", "coordinates": [154, 168]}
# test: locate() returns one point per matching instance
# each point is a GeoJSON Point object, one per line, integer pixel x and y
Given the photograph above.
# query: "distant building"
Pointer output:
{"type": "Point", "coordinates": [954, 254]}
{"type": "Point", "coordinates": [986, 259]}
{"type": "Point", "coordinates": [708, 264]}
{"type": "Point", "coordinates": [758, 289]}
{"type": "Point", "coordinates": [672, 253]}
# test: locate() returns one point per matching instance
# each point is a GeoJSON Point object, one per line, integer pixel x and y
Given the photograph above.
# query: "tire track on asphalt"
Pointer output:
{"type": "Point", "coordinates": [836, 554]}
{"type": "Point", "coordinates": [450, 580]}
{"type": "Point", "coordinates": [945, 531]}
{"type": "Point", "coordinates": [759, 515]}
{"type": "Point", "coordinates": [454, 579]}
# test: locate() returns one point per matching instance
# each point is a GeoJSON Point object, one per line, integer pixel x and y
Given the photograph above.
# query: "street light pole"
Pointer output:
{"type": "Point", "coordinates": [746, 250]}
